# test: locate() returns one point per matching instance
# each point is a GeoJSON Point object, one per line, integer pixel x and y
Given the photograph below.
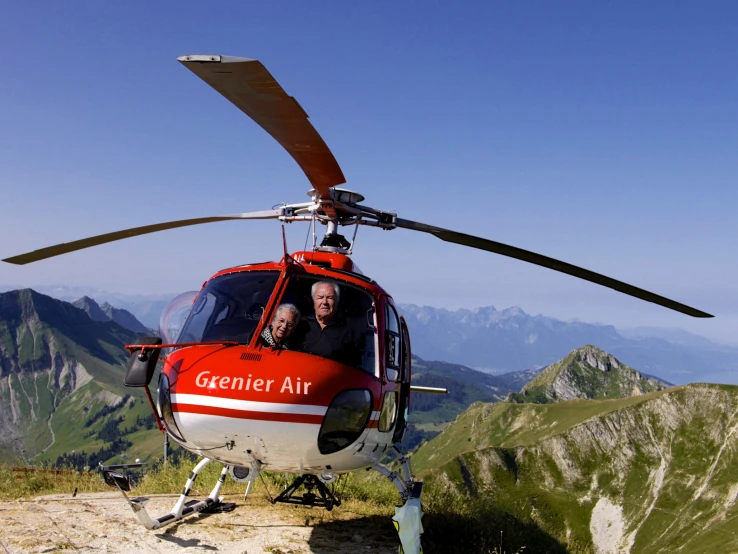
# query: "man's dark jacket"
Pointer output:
{"type": "Point", "coordinates": [338, 340]}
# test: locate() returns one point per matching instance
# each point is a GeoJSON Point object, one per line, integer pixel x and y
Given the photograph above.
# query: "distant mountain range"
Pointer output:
{"type": "Point", "coordinates": [673, 335]}
{"type": "Point", "coordinates": [146, 307]}
{"type": "Point", "coordinates": [502, 341]}
{"type": "Point", "coordinates": [511, 340]}
{"type": "Point", "coordinates": [106, 312]}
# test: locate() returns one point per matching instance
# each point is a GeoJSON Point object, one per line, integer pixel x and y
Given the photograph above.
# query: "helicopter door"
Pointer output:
{"type": "Point", "coordinates": [405, 373]}
{"type": "Point", "coordinates": [392, 344]}
{"type": "Point", "coordinates": [392, 369]}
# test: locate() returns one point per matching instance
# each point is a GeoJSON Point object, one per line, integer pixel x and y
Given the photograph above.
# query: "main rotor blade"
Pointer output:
{"type": "Point", "coordinates": [65, 247]}
{"type": "Point", "coordinates": [253, 90]}
{"type": "Point", "coordinates": [551, 263]}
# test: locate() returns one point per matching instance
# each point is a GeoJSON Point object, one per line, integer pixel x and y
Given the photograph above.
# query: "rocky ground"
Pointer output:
{"type": "Point", "coordinates": [103, 522]}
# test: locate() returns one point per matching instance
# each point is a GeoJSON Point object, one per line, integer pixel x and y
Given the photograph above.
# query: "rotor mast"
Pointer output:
{"type": "Point", "coordinates": [341, 208]}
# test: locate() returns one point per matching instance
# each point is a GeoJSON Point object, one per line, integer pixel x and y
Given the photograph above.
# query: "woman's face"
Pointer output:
{"type": "Point", "coordinates": [283, 325]}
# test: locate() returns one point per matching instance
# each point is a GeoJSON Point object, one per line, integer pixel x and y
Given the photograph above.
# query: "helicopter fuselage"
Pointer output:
{"type": "Point", "coordinates": [244, 402]}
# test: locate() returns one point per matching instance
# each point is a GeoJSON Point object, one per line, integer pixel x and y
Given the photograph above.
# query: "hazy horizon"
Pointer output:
{"type": "Point", "coordinates": [90, 291]}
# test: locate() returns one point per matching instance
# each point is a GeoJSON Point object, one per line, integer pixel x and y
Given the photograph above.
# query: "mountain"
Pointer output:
{"type": "Point", "coordinates": [650, 473]}
{"type": "Point", "coordinates": [145, 307]}
{"type": "Point", "coordinates": [124, 318]}
{"type": "Point", "coordinates": [61, 376]}
{"type": "Point", "coordinates": [430, 413]}
{"type": "Point", "coordinates": [106, 312]}
{"type": "Point", "coordinates": [92, 308]}
{"type": "Point", "coordinates": [586, 372]}
{"type": "Point", "coordinates": [673, 335]}
{"type": "Point", "coordinates": [511, 340]}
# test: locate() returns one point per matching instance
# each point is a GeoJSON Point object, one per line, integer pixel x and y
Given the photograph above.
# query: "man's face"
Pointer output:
{"type": "Point", "coordinates": [324, 302]}
{"type": "Point", "coordinates": [283, 325]}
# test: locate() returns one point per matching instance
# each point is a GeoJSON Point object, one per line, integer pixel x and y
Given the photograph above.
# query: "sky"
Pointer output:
{"type": "Point", "coordinates": [604, 134]}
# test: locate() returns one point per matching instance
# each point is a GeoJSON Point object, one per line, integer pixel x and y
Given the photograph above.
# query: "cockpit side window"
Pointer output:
{"type": "Point", "coordinates": [355, 344]}
{"type": "Point", "coordinates": [393, 344]}
{"type": "Point", "coordinates": [229, 307]}
{"type": "Point", "coordinates": [198, 319]}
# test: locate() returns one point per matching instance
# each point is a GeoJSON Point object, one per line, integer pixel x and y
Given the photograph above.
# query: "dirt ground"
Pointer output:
{"type": "Point", "coordinates": [103, 522]}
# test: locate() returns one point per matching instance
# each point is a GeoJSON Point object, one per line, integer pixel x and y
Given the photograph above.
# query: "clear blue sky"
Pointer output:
{"type": "Point", "coordinates": [603, 134]}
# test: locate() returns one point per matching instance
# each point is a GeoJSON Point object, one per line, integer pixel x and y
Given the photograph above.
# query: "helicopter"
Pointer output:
{"type": "Point", "coordinates": [225, 395]}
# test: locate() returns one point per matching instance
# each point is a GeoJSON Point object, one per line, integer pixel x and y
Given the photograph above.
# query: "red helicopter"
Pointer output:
{"type": "Point", "coordinates": [228, 396]}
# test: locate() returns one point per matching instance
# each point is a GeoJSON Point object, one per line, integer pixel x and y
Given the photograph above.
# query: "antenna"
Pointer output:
{"type": "Point", "coordinates": [284, 241]}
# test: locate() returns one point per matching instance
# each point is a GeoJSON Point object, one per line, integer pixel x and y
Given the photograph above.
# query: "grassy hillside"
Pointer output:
{"type": "Point", "coordinates": [59, 369]}
{"type": "Point", "coordinates": [431, 413]}
{"type": "Point", "coordinates": [509, 425]}
{"type": "Point", "coordinates": [89, 423]}
{"type": "Point", "coordinates": [653, 473]}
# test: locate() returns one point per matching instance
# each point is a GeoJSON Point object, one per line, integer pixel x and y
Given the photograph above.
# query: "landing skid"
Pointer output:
{"type": "Point", "coordinates": [182, 507]}
{"type": "Point", "coordinates": [407, 518]}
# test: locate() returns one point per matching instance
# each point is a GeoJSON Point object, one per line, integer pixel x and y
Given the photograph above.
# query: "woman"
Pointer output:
{"type": "Point", "coordinates": [286, 318]}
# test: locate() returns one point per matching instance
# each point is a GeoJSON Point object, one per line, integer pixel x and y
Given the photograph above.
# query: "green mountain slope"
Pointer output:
{"type": "Point", "coordinates": [58, 369]}
{"type": "Point", "coordinates": [586, 372]}
{"type": "Point", "coordinates": [465, 386]}
{"type": "Point", "coordinates": [430, 413]}
{"type": "Point", "coordinates": [650, 473]}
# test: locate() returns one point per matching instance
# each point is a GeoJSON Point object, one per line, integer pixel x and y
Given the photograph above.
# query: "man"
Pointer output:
{"type": "Point", "coordinates": [286, 318]}
{"type": "Point", "coordinates": [328, 334]}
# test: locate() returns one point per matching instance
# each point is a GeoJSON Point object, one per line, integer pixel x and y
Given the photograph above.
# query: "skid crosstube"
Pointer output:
{"type": "Point", "coordinates": [326, 499]}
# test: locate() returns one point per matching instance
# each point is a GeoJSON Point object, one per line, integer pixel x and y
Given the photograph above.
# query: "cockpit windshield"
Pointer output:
{"type": "Point", "coordinates": [229, 307]}
{"type": "Point", "coordinates": [337, 320]}
{"type": "Point", "coordinates": [319, 316]}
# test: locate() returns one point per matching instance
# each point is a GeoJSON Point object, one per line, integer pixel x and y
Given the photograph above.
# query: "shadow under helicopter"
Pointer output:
{"type": "Point", "coordinates": [496, 532]}
{"type": "Point", "coordinates": [490, 531]}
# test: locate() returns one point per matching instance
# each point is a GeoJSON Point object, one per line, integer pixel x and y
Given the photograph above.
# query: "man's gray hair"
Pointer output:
{"type": "Point", "coordinates": [336, 290]}
{"type": "Point", "coordinates": [290, 308]}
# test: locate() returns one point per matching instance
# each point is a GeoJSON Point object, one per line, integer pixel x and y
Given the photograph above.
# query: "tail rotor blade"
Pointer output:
{"type": "Point", "coordinates": [66, 247]}
{"type": "Point", "coordinates": [551, 263]}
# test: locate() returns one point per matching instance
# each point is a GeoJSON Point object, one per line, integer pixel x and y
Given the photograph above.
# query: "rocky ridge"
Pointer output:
{"type": "Point", "coordinates": [589, 373]}
{"type": "Point", "coordinates": [106, 312]}
{"type": "Point", "coordinates": [53, 356]}
{"type": "Point", "coordinates": [652, 473]}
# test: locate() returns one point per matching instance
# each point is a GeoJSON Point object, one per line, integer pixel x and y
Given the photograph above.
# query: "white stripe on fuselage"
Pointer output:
{"type": "Point", "coordinates": [248, 405]}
